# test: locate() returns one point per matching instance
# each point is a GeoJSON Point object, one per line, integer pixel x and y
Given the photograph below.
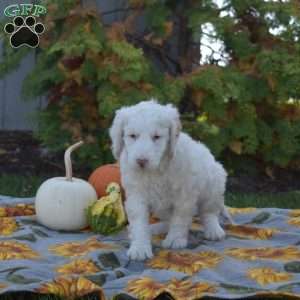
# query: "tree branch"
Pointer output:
{"type": "Point", "coordinates": [163, 55]}
{"type": "Point", "coordinates": [121, 9]}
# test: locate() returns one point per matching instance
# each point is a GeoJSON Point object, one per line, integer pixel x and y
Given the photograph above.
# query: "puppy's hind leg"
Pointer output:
{"type": "Point", "coordinates": [209, 216]}
{"type": "Point", "coordinates": [225, 215]}
{"type": "Point", "coordinates": [212, 229]}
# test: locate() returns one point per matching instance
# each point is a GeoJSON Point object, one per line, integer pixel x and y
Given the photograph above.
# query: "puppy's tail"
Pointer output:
{"type": "Point", "coordinates": [225, 215]}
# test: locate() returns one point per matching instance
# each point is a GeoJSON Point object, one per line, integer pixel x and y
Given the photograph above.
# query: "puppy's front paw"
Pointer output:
{"type": "Point", "coordinates": [174, 242]}
{"type": "Point", "coordinates": [139, 251]}
{"type": "Point", "coordinates": [214, 232]}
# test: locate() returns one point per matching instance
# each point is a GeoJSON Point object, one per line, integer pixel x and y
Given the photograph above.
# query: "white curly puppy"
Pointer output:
{"type": "Point", "coordinates": [166, 172]}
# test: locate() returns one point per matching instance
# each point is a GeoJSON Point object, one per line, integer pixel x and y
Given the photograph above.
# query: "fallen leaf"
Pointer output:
{"type": "Point", "coordinates": [270, 172]}
{"type": "Point", "coordinates": [236, 147]}
{"type": "Point", "coordinates": [2, 151]}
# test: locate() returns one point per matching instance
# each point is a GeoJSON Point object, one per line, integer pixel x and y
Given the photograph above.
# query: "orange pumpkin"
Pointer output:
{"type": "Point", "coordinates": [103, 176]}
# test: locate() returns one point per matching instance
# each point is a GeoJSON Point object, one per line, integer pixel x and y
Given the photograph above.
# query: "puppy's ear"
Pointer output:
{"type": "Point", "coordinates": [175, 128]}
{"type": "Point", "coordinates": [116, 132]}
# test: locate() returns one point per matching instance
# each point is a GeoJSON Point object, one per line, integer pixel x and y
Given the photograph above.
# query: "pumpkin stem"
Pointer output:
{"type": "Point", "coordinates": [68, 163]}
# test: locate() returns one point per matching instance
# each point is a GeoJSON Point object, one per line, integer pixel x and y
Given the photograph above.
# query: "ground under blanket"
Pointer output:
{"type": "Point", "coordinates": [260, 256]}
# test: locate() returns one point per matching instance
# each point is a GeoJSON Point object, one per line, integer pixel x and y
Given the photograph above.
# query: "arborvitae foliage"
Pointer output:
{"type": "Point", "coordinates": [244, 99]}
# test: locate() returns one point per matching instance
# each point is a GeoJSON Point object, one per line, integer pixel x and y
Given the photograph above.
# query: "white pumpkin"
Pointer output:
{"type": "Point", "coordinates": [60, 202]}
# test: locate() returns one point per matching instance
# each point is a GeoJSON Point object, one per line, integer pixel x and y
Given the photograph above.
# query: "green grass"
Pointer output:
{"type": "Point", "coordinates": [19, 186]}
{"type": "Point", "coordinates": [280, 200]}
{"type": "Point", "coordinates": [26, 186]}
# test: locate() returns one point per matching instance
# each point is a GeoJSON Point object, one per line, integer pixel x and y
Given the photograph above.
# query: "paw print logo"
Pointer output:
{"type": "Point", "coordinates": [24, 32]}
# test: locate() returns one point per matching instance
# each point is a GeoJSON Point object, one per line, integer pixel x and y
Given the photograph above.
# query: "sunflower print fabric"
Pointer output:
{"type": "Point", "coordinates": [260, 257]}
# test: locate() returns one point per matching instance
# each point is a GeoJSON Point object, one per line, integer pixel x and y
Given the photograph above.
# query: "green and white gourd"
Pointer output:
{"type": "Point", "coordinates": [107, 215]}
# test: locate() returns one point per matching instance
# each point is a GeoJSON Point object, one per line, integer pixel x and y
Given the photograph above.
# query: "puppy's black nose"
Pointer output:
{"type": "Point", "coordinates": [142, 162]}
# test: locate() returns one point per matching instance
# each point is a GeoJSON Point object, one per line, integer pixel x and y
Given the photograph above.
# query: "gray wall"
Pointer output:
{"type": "Point", "coordinates": [15, 113]}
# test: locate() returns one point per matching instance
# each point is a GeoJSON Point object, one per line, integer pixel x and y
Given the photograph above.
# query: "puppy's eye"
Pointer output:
{"type": "Point", "coordinates": [156, 137]}
{"type": "Point", "coordinates": [133, 136]}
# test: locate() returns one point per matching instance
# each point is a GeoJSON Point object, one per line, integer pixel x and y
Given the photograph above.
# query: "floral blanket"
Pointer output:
{"type": "Point", "coordinates": [260, 256]}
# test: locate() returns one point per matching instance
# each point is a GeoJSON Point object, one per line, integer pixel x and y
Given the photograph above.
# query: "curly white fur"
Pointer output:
{"type": "Point", "coordinates": [165, 171]}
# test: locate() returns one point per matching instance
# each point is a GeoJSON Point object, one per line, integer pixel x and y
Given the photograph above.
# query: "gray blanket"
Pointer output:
{"type": "Point", "coordinates": [260, 256]}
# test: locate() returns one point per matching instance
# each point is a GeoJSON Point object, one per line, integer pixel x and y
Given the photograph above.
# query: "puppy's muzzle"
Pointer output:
{"type": "Point", "coordinates": [142, 162]}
